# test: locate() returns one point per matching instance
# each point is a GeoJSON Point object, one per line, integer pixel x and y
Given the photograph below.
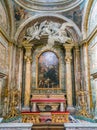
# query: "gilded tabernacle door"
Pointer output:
{"type": "Point", "coordinates": [48, 70]}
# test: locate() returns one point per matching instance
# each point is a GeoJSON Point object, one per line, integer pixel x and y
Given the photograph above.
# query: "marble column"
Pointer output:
{"type": "Point", "coordinates": [68, 59]}
{"type": "Point", "coordinates": [28, 59]}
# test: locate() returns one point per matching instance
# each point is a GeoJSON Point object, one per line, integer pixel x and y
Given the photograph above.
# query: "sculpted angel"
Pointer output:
{"type": "Point", "coordinates": [36, 31]}
{"type": "Point", "coordinates": [61, 35]}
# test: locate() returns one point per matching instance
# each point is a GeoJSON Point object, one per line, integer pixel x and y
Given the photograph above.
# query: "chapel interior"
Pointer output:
{"type": "Point", "coordinates": [48, 61]}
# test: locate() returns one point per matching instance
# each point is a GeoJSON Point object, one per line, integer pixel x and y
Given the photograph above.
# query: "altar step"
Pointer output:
{"type": "Point", "coordinates": [48, 127]}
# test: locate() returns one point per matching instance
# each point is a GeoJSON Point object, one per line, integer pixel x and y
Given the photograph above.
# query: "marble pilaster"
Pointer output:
{"type": "Point", "coordinates": [10, 53]}
{"type": "Point", "coordinates": [20, 73]}
{"type": "Point", "coordinates": [14, 67]}
{"type": "Point", "coordinates": [0, 95]}
{"type": "Point", "coordinates": [86, 75]}
{"type": "Point", "coordinates": [68, 59]}
{"type": "Point", "coordinates": [10, 64]}
{"type": "Point", "coordinates": [96, 99]}
{"type": "Point", "coordinates": [77, 70]}
{"type": "Point", "coordinates": [28, 60]}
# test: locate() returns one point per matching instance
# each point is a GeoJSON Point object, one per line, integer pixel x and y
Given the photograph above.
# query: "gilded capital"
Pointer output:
{"type": "Point", "coordinates": [25, 42]}
{"type": "Point", "coordinates": [28, 58]}
{"type": "Point", "coordinates": [10, 43]}
{"type": "Point", "coordinates": [68, 58]}
{"type": "Point", "coordinates": [68, 47]}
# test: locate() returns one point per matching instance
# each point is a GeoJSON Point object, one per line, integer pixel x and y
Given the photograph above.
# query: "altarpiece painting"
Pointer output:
{"type": "Point", "coordinates": [48, 70]}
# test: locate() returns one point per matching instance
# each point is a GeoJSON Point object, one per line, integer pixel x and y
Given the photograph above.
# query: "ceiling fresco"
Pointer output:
{"type": "Point", "coordinates": [49, 5]}
{"type": "Point", "coordinates": [76, 14]}
{"type": "Point", "coordinates": [21, 14]}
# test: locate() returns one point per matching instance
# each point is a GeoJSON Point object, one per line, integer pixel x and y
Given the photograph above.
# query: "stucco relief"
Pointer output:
{"type": "Point", "coordinates": [55, 31]}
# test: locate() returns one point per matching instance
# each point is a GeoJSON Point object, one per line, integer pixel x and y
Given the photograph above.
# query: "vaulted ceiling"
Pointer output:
{"type": "Point", "coordinates": [19, 12]}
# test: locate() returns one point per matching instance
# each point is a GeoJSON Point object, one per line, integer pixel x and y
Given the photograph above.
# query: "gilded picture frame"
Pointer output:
{"type": "Point", "coordinates": [48, 75]}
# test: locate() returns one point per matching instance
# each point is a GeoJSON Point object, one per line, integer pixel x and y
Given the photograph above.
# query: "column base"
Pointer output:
{"type": "Point", "coordinates": [71, 109]}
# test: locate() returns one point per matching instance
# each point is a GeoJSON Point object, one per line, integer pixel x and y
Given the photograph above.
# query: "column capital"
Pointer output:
{"type": "Point", "coordinates": [68, 58]}
{"type": "Point", "coordinates": [28, 58]}
{"type": "Point", "coordinates": [28, 49]}
{"type": "Point", "coordinates": [28, 46]}
{"type": "Point", "coordinates": [68, 47]}
{"type": "Point", "coordinates": [10, 43]}
{"type": "Point", "coordinates": [77, 49]}
{"type": "Point", "coordinates": [28, 53]}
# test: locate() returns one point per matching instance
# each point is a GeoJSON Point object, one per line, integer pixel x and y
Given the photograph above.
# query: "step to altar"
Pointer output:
{"type": "Point", "coordinates": [48, 127]}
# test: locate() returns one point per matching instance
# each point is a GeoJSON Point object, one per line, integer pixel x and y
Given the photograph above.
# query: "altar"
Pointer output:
{"type": "Point", "coordinates": [46, 109]}
{"type": "Point", "coordinates": [48, 103]}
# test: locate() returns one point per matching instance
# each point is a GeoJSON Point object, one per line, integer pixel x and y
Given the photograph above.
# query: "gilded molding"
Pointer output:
{"type": "Point", "coordinates": [68, 59]}
{"type": "Point", "coordinates": [90, 37]}
{"type": "Point", "coordinates": [28, 58]}
{"type": "Point", "coordinates": [86, 17]}
{"type": "Point", "coordinates": [37, 57]}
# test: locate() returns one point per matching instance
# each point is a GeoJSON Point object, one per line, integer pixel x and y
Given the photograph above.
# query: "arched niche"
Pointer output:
{"type": "Point", "coordinates": [48, 75]}
{"type": "Point", "coordinates": [73, 31]}
{"type": "Point", "coordinates": [36, 55]}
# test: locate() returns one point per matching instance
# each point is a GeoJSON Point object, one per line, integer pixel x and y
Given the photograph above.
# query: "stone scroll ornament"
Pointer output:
{"type": "Point", "coordinates": [56, 32]}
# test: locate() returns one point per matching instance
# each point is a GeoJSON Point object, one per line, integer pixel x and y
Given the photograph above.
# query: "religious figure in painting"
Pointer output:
{"type": "Point", "coordinates": [48, 70]}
